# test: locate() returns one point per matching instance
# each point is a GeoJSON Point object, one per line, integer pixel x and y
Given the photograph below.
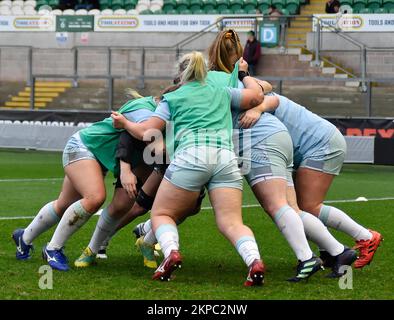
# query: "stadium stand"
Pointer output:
{"type": "Point", "coordinates": [121, 7]}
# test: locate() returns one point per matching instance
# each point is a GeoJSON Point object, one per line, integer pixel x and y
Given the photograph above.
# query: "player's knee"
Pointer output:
{"type": "Point", "coordinates": [313, 208]}
{"type": "Point", "coordinates": [93, 202]}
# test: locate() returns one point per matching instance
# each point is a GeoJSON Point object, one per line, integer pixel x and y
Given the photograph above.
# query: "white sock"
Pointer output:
{"type": "Point", "coordinates": [168, 238]}
{"type": "Point", "coordinates": [105, 227]}
{"type": "Point", "coordinates": [290, 225]}
{"type": "Point", "coordinates": [147, 227]}
{"type": "Point", "coordinates": [339, 220]}
{"type": "Point", "coordinates": [73, 219]}
{"type": "Point", "coordinates": [248, 249]}
{"type": "Point", "coordinates": [44, 220]}
{"type": "Point", "coordinates": [317, 232]}
{"type": "Point", "coordinates": [150, 238]}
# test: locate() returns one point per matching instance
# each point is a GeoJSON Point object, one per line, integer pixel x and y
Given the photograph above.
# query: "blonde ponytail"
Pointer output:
{"type": "Point", "coordinates": [132, 93]}
{"type": "Point", "coordinates": [192, 67]}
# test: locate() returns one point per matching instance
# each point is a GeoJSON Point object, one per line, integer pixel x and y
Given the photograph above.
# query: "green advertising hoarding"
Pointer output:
{"type": "Point", "coordinates": [269, 34]}
{"type": "Point", "coordinates": [74, 23]}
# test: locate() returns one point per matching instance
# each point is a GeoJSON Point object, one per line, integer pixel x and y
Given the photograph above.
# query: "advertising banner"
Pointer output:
{"type": "Point", "coordinates": [356, 22]}
{"type": "Point", "coordinates": [27, 23]}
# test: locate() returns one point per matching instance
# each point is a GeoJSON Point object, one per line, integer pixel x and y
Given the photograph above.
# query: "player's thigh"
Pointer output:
{"type": "Point", "coordinates": [173, 201]}
{"type": "Point", "coordinates": [152, 184]}
{"type": "Point", "coordinates": [87, 178]}
{"type": "Point", "coordinates": [271, 194]}
{"type": "Point", "coordinates": [142, 172]}
{"type": "Point", "coordinates": [68, 195]}
{"type": "Point", "coordinates": [311, 188]}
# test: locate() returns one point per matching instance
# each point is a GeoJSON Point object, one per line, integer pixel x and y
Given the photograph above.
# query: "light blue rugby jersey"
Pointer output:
{"type": "Point", "coordinates": [138, 115]}
{"type": "Point", "coordinates": [308, 131]}
{"type": "Point", "coordinates": [265, 127]}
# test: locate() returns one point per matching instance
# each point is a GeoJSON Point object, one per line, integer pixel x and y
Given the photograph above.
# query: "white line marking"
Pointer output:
{"type": "Point", "coordinates": [244, 206]}
{"type": "Point", "coordinates": [31, 180]}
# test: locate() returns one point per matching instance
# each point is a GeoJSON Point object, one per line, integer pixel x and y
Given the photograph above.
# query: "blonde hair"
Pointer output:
{"type": "Point", "coordinates": [192, 66]}
{"type": "Point", "coordinates": [226, 44]}
{"type": "Point", "coordinates": [132, 93]}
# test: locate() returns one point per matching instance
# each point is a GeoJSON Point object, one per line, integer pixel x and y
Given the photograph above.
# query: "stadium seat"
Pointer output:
{"type": "Point", "coordinates": [235, 5]}
{"type": "Point", "coordinates": [106, 12]}
{"type": "Point", "coordinates": [145, 12]}
{"type": "Point", "coordinates": [285, 12]}
{"type": "Point", "coordinates": [18, 3]}
{"type": "Point", "coordinates": [263, 5]}
{"type": "Point", "coordinates": [172, 11]}
{"type": "Point", "coordinates": [208, 5]}
{"type": "Point", "coordinates": [280, 4]}
{"type": "Point", "coordinates": [57, 12]}
{"type": "Point", "coordinates": [381, 10]}
{"type": "Point", "coordinates": [366, 10]}
{"type": "Point", "coordinates": [250, 5]}
{"type": "Point", "coordinates": [199, 11]}
{"type": "Point", "coordinates": [374, 4]}
{"type": "Point", "coordinates": [359, 4]}
{"type": "Point", "coordinates": [41, 3]}
{"type": "Point", "coordinates": [94, 12]}
{"type": "Point", "coordinates": [30, 11]}
{"type": "Point", "coordinates": [130, 4]}
{"type": "Point", "coordinates": [17, 11]}
{"type": "Point", "coordinates": [6, 3]}
{"type": "Point", "coordinates": [117, 4]}
{"type": "Point", "coordinates": [81, 12]}
{"type": "Point", "coordinates": [222, 5]}
{"type": "Point", "coordinates": [142, 6]}
{"type": "Point", "coordinates": [347, 3]}
{"type": "Point", "coordinates": [391, 10]}
{"type": "Point", "coordinates": [120, 12]}
{"type": "Point", "coordinates": [182, 5]}
{"type": "Point", "coordinates": [5, 11]}
{"type": "Point", "coordinates": [211, 11]}
{"type": "Point", "coordinates": [132, 12]}
{"type": "Point", "coordinates": [168, 5]}
{"type": "Point", "coordinates": [388, 4]}
{"type": "Point", "coordinates": [32, 3]}
{"type": "Point", "coordinates": [195, 5]}
{"type": "Point", "coordinates": [104, 4]}
{"type": "Point", "coordinates": [184, 11]}
{"type": "Point", "coordinates": [293, 6]}
{"type": "Point", "coordinates": [54, 4]}
{"type": "Point", "coordinates": [226, 11]}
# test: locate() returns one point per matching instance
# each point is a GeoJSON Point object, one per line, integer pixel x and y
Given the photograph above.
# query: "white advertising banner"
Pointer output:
{"type": "Point", "coordinates": [355, 22]}
{"type": "Point", "coordinates": [28, 23]}
{"type": "Point", "coordinates": [168, 23]}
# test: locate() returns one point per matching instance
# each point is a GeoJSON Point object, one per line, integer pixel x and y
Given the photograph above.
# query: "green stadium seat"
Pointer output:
{"type": "Point", "coordinates": [293, 6]}
{"type": "Point", "coordinates": [169, 5]}
{"type": "Point", "coordinates": [366, 10]}
{"type": "Point", "coordinates": [195, 5]}
{"type": "Point", "coordinates": [211, 11]}
{"type": "Point", "coordinates": [235, 5]}
{"type": "Point", "coordinates": [374, 4]}
{"type": "Point", "coordinates": [117, 4]}
{"type": "Point", "coordinates": [381, 10]}
{"type": "Point", "coordinates": [158, 12]}
{"type": "Point", "coordinates": [391, 10]}
{"type": "Point", "coordinates": [53, 3]}
{"type": "Point", "coordinates": [263, 5]}
{"type": "Point", "coordinates": [347, 3]}
{"type": "Point", "coordinates": [359, 4]}
{"type": "Point", "coordinates": [182, 5]}
{"type": "Point", "coordinates": [208, 5]}
{"type": "Point", "coordinates": [172, 11]}
{"type": "Point", "coordinates": [285, 12]}
{"type": "Point", "coordinates": [199, 11]}
{"type": "Point", "coordinates": [41, 3]}
{"type": "Point", "coordinates": [226, 12]}
{"type": "Point", "coordinates": [250, 5]}
{"type": "Point", "coordinates": [184, 11]}
{"type": "Point", "coordinates": [222, 5]}
{"type": "Point", "coordinates": [145, 12]}
{"type": "Point", "coordinates": [388, 4]}
{"type": "Point", "coordinates": [130, 4]}
{"type": "Point", "coordinates": [280, 4]}
{"type": "Point", "coordinates": [105, 4]}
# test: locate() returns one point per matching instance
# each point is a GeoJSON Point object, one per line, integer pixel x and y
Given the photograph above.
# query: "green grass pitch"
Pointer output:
{"type": "Point", "coordinates": [212, 269]}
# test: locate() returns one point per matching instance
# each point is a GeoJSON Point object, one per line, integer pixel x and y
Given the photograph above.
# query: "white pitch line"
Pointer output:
{"type": "Point", "coordinates": [31, 180]}
{"type": "Point", "coordinates": [244, 206]}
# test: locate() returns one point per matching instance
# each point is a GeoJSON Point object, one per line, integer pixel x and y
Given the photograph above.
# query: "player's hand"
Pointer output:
{"type": "Point", "coordinates": [119, 121]}
{"type": "Point", "coordinates": [249, 118]}
{"type": "Point", "coordinates": [129, 183]}
{"type": "Point", "coordinates": [243, 65]}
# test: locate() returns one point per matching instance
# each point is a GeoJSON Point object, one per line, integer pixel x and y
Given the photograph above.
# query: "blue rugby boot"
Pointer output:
{"type": "Point", "coordinates": [23, 250]}
{"type": "Point", "coordinates": [56, 259]}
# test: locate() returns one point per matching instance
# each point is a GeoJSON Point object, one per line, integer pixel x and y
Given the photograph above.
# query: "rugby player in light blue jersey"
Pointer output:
{"type": "Point", "coordinates": [319, 153]}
